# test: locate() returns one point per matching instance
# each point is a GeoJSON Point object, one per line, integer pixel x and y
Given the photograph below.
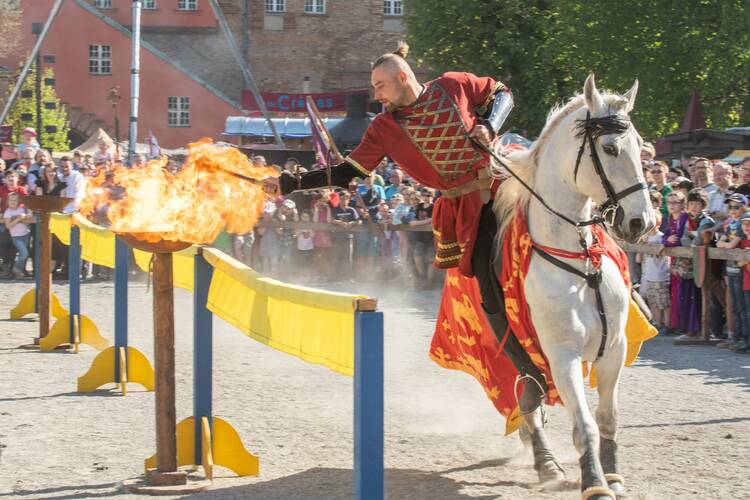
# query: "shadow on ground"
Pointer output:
{"type": "Point", "coordinates": [721, 365]}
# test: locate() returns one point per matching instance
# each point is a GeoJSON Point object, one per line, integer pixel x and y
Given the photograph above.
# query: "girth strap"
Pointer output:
{"type": "Point", "coordinates": [593, 280]}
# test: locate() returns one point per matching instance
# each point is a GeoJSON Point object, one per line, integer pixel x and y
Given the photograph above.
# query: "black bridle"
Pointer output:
{"type": "Point", "coordinates": [590, 130]}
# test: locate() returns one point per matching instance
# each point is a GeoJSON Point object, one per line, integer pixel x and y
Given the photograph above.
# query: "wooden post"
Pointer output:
{"type": "Point", "coordinates": [45, 274]}
{"type": "Point", "coordinates": [166, 440]}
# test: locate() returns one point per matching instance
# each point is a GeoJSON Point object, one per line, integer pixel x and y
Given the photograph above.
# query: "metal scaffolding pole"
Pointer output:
{"type": "Point", "coordinates": [135, 68]}
{"type": "Point", "coordinates": [249, 80]}
{"type": "Point", "coordinates": [27, 67]}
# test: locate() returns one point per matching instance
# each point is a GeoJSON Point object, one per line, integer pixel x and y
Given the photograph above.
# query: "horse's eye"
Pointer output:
{"type": "Point", "coordinates": [611, 149]}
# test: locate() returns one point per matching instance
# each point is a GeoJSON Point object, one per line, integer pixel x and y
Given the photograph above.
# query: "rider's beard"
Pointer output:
{"type": "Point", "coordinates": [401, 100]}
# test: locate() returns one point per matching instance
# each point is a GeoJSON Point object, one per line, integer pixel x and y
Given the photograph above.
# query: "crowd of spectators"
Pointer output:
{"type": "Point", "coordinates": [373, 232]}
{"type": "Point", "coordinates": [379, 229]}
{"type": "Point", "coordinates": [698, 202]}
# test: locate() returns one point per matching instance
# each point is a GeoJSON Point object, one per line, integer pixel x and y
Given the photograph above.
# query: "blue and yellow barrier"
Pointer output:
{"type": "Point", "coordinates": [340, 331]}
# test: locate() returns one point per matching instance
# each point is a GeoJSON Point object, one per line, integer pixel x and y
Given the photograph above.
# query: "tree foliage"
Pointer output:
{"type": "Point", "coordinates": [56, 141]}
{"type": "Point", "coordinates": [545, 49]}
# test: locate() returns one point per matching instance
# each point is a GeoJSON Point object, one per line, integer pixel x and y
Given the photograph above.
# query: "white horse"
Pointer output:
{"type": "Point", "coordinates": [562, 304]}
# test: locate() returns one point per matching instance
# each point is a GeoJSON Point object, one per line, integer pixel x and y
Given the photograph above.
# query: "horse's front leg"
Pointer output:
{"type": "Point", "coordinates": [608, 371]}
{"type": "Point", "coordinates": [565, 364]}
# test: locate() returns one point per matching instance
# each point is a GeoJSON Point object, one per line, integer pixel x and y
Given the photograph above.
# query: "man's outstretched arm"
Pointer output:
{"type": "Point", "coordinates": [341, 176]}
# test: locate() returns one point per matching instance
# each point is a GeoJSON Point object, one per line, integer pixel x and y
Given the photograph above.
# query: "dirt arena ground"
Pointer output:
{"type": "Point", "coordinates": [684, 426]}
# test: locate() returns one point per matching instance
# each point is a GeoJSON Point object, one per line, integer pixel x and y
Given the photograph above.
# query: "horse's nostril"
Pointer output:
{"type": "Point", "coordinates": [636, 225]}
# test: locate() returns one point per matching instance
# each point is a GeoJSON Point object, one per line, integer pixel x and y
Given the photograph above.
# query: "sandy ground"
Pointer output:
{"type": "Point", "coordinates": [685, 416]}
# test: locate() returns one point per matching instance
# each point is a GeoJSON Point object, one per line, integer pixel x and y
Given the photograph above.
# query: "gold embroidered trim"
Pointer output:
{"type": "Point", "coordinates": [358, 166]}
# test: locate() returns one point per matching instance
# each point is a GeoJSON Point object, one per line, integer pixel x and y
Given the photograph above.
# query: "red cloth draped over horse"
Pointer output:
{"type": "Point", "coordinates": [464, 341]}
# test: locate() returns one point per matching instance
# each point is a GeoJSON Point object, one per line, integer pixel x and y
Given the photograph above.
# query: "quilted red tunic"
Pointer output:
{"type": "Point", "coordinates": [429, 140]}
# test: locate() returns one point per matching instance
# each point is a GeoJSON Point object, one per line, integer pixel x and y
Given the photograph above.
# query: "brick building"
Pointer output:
{"type": "Point", "coordinates": [329, 42]}
{"type": "Point", "coordinates": [190, 82]}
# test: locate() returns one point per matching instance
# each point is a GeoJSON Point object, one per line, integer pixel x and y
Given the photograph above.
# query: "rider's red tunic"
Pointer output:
{"type": "Point", "coordinates": [429, 140]}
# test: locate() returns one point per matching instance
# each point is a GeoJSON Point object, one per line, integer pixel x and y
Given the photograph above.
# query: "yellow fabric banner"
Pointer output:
{"type": "Point", "coordinates": [182, 265]}
{"type": "Point", "coordinates": [97, 243]}
{"type": "Point", "coordinates": [59, 225]}
{"type": "Point", "coordinates": [315, 326]}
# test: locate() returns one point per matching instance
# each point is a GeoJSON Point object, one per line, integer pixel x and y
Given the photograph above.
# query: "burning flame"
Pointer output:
{"type": "Point", "coordinates": [193, 206]}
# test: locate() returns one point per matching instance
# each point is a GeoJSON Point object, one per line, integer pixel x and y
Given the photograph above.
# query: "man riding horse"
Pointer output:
{"type": "Point", "coordinates": [432, 131]}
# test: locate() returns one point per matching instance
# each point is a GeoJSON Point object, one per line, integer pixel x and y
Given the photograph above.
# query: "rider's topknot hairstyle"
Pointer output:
{"type": "Point", "coordinates": [400, 53]}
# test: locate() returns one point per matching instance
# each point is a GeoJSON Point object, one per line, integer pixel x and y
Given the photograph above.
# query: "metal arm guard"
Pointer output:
{"type": "Point", "coordinates": [501, 108]}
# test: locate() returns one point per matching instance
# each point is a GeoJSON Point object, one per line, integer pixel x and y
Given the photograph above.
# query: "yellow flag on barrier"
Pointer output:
{"type": "Point", "coordinates": [59, 225]}
{"type": "Point", "coordinates": [97, 243]}
{"type": "Point", "coordinates": [313, 325]}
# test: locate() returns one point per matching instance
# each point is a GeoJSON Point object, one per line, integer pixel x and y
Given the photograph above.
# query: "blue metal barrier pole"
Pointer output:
{"type": "Point", "coordinates": [74, 278]}
{"type": "Point", "coordinates": [122, 253]}
{"type": "Point", "coordinates": [368, 406]}
{"type": "Point", "coordinates": [202, 348]}
{"type": "Point", "coordinates": [37, 253]}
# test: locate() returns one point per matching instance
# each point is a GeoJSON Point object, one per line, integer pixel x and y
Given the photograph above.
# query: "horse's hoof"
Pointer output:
{"type": "Point", "coordinates": [550, 471]}
{"type": "Point", "coordinates": [617, 484]}
{"type": "Point", "coordinates": [598, 493]}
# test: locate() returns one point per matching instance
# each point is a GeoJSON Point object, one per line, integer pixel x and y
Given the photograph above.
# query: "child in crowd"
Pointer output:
{"type": "Point", "coordinates": [657, 280]}
{"type": "Point", "coordinates": [733, 235]}
{"type": "Point", "coordinates": [17, 218]}
{"type": "Point", "coordinates": [269, 242]}
{"type": "Point", "coordinates": [305, 247]}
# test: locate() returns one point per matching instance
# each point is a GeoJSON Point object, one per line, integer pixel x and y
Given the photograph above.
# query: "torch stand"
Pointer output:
{"type": "Point", "coordinates": [44, 206]}
{"type": "Point", "coordinates": [165, 479]}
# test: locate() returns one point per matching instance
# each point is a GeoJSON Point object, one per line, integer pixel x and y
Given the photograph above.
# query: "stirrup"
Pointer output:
{"type": "Point", "coordinates": [542, 396]}
{"type": "Point", "coordinates": [614, 478]}
{"type": "Point", "coordinates": [597, 490]}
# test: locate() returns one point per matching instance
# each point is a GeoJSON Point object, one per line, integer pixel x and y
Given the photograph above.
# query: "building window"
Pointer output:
{"type": "Point", "coordinates": [103, 4]}
{"type": "Point", "coordinates": [276, 5]}
{"type": "Point", "coordinates": [100, 59]}
{"type": "Point", "coordinates": [178, 111]}
{"type": "Point", "coordinates": [187, 5]}
{"type": "Point", "coordinates": [393, 7]}
{"type": "Point", "coordinates": [315, 6]}
{"type": "Point", "coordinates": [149, 4]}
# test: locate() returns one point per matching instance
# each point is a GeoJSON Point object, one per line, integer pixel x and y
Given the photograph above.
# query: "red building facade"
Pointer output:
{"type": "Point", "coordinates": [90, 41]}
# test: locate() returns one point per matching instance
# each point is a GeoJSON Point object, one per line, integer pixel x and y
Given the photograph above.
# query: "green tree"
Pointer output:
{"type": "Point", "coordinates": [58, 117]}
{"type": "Point", "coordinates": [545, 49]}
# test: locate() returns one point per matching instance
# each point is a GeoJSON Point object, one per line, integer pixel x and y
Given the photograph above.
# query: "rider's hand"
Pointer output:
{"type": "Point", "coordinates": [271, 186]}
{"type": "Point", "coordinates": [483, 134]}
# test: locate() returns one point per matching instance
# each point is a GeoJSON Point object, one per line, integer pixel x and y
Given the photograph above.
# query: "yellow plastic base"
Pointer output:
{"type": "Point", "coordinates": [27, 305]}
{"type": "Point", "coordinates": [59, 334]}
{"type": "Point", "coordinates": [226, 448]}
{"type": "Point", "coordinates": [102, 371]}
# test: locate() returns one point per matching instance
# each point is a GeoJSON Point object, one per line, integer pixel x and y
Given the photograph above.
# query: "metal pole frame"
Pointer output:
{"type": "Point", "coordinates": [202, 350]}
{"type": "Point", "coordinates": [122, 255]}
{"type": "Point", "coordinates": [74, 280]}
{"type": "Point", "coordinates": [369, 477]}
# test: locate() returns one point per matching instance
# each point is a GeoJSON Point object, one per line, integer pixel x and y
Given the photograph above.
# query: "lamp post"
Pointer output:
{"type": "Point", "coordinates": [113, 96]}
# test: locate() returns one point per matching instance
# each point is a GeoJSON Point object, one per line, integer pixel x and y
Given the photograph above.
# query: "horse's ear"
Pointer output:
{"type": "Point", "coordinates": [593, 98]}
{"type": "Point", "coordinates": [630, 96]}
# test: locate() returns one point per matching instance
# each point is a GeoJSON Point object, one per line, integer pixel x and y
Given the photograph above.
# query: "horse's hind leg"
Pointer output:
{"type": "Point", "coordinates": [545, 464]}
{"type": "Point", "coordinates": [567, 374]}
{"type": "Point", "coordinates": [608, 371]}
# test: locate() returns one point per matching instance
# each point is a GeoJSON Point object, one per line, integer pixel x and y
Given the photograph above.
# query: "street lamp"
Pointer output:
{"type": "Point", "coordinates": [113, 96]}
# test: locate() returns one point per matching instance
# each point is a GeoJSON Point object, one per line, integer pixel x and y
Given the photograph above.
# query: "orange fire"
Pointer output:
{"type": "Point", "coordinates": [193, 206]}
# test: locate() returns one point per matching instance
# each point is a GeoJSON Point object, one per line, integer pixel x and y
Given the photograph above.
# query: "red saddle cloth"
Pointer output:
{"type": "Point", "coordinates": [463, 339]}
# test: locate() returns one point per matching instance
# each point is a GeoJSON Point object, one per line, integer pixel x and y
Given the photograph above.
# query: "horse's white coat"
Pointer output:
{"type": "Point", "coordinates": [563, 308]}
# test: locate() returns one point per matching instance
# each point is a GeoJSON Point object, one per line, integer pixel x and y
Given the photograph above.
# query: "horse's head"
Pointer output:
{"type": "Point", "coordinates": [610, 170]}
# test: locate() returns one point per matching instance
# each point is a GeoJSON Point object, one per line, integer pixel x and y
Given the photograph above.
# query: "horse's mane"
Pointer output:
{"type": "Point", "coordinates": [512, 197]}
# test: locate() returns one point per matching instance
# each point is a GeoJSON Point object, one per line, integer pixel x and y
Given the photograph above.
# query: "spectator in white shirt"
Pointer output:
{"type": "Point", "coordinates": [717, 207]}
{"type": "Point", "coordinates": [76, 184]}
